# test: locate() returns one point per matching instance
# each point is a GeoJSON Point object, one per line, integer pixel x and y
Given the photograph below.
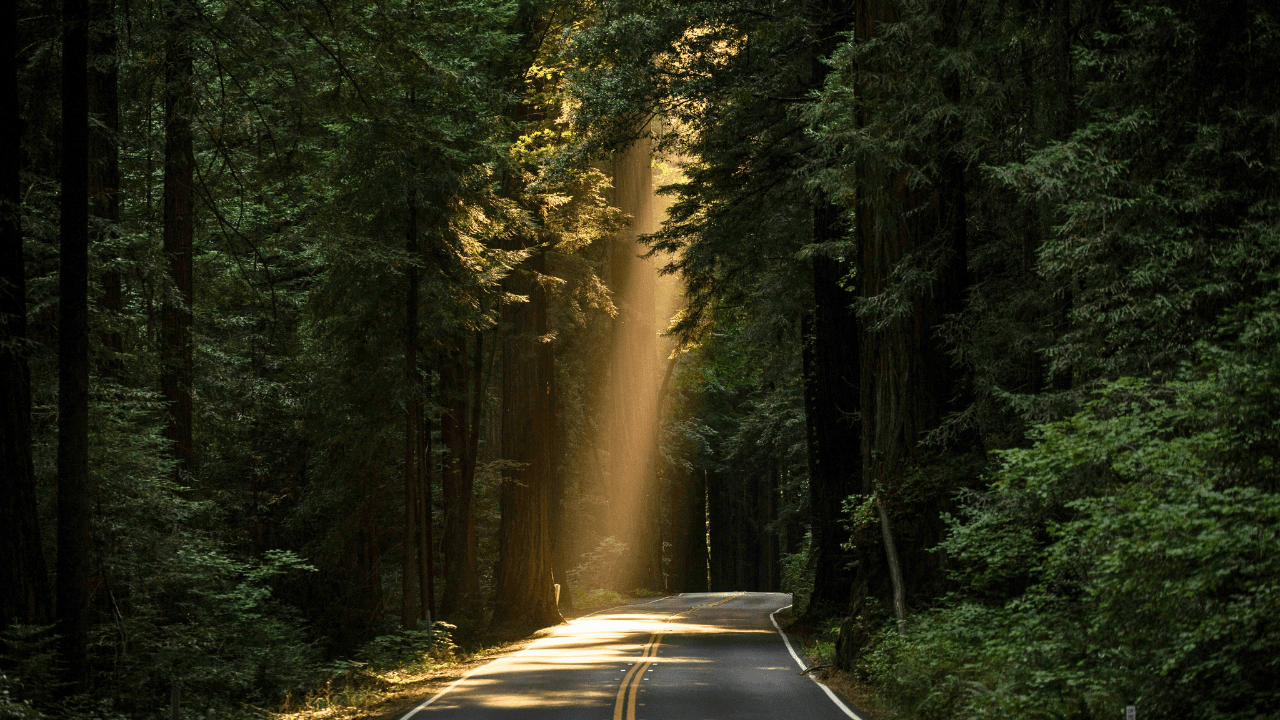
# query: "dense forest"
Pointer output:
{"type": "Point", "coordinates": [331, 330]}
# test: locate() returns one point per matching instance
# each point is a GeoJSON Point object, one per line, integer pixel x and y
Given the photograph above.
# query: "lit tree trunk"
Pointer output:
{"type": "Point", "coordinates": [179, 227]}
{"type": "Point", "coordinates": [24, 579]}
{"type": "Point", "coordinates": [409, 537]}
{"type": "Point", "coordinates": [525, 592]}
{"type": "Point", "coordinates": [559, 519]}
{"type": "Point", "coordinates": [73, 351]}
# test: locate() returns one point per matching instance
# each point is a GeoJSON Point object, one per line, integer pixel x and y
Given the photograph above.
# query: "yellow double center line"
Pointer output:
{"type": "Point", "coordinates": [631, 681]}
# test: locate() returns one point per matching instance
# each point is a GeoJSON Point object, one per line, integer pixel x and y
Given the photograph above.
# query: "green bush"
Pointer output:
{"type": "Point", "coordinates": [583, 598]}
{"type": "Point", "coordinates": [599, 568]}
{"type": "Point", "coordinates": [1130, 556]}
{"type": "Point", "coordinates": [797, 575]}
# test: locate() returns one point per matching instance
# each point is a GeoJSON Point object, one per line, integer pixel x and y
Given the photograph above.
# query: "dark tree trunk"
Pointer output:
{"type": "Point", "coordinates": [830, 367]}
{"type": "Point", "coordinates": [719, 534]}
{"type": "Point", "coordinates": [104, 170]}
{"type": "Point", "coordinates": [179, 227]}
{"type": "Point", "coordinates": [24, 578]}
{"type": "Point", "coordinates": [409, 535]}
{"type": "Point", "coordinates": [693, 529]}
{"type": "Point", "coordinates": [425, 522]}
{"type": "Point", "coordinates": [459, 431]}
{"type": "Point", "coordinates": [831, 405]}
{"type": "Point", "coordinates": [907, 378]}
{"type": "Point", "coordinates": [766, 513]}
{"type": "Point", "coordinates": [73, 351]}
{"type": "Point", "coordinates": [525, 592]}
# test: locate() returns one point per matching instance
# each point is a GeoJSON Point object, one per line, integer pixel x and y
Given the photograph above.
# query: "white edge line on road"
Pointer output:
{"type": "Point", "coordinates": [834, 698]}
{"type": "Point", "coordinates": [427, 703]}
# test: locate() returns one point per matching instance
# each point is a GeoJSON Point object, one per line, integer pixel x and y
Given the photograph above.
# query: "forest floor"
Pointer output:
{"type": "Point", "coordinates": [389, 695]}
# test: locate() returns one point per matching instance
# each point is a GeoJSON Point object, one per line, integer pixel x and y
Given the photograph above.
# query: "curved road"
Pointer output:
{"type": "Point", "coordinates": [698, 656]}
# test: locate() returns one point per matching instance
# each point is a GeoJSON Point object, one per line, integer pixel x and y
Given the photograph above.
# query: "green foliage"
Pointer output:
{"type": "Point", "coordinates": [600, 567]}
{"type": "Point", "coordinates": [797, 571]}
{"type": "Point", "coordinates": [1129, 555]}
{"type": "Point", "coordinates": [599, 597]}
{"type": "Point", "coordinates": [404, 648]}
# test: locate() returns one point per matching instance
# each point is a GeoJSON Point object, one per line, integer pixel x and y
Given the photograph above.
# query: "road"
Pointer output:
{"type": "Point", "coordinates": [698, 656]}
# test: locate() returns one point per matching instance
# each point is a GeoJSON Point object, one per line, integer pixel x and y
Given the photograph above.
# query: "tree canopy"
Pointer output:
{"type": "Point", "coordinates": [333, 335]}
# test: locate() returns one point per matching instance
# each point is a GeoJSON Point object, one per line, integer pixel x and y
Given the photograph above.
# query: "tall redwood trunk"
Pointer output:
{"type": "Point", "coordinates": [525, 592]}
{"type": "Point", "coordinates": [560, 519]}
{"type": "Point", "coordinates": [409, 536]}
{"type": "Point", "coordinates": [459, 430]}
{"type": "Point", "coordinates": [178, 232]}
{"type": "Point", "coordinates": [24, 578]}
{"type": "Point", "coordinates": [831, 382]}
{"type": "Point", "coordinates": [426, 543]}
{"type": "Point", "coordinates": [907, 379]}
{"type": "Point", "coordinates": [73, 351]}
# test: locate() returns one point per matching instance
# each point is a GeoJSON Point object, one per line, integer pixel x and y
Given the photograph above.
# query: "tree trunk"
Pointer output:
{"type": "Point", "coordinates": [907, 378]}
{"type": "Point", "coordinates": [719, 534]}
{"type": "Point", "coordinates": [74, 506]}
{"type": "Point", "coordinates": [24, 578]}
{"type": "Point", "coordinates": [831, 388]}
{"type": "Point", "coordinates": [459, 430]}
{"type": "Point", "coordinates": [559, 511]}
{"type": "Point", "coordinates": [409, 536]}
{"type": "Point", "coordinates": [525, 592]}
{"type": "Point", "coordinates": [689, 528]}
{"type": "Point", "coordinates": [426, 529]}
{"type": "Point", "coordinates": [895, 568]}
{"type": "Point", "coordinates": [179, 227]}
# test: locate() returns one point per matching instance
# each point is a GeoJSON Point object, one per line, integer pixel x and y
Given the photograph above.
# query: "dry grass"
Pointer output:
{"type": "Point", "coordinates": [389, 695]}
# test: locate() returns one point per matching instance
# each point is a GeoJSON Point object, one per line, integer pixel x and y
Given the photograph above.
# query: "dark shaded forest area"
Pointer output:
{"type": "Point", "coordinates": [332, 334]}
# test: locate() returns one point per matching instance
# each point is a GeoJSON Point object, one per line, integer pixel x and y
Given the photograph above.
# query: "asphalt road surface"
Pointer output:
{"type": "Point", "coordinates": [698, 656]}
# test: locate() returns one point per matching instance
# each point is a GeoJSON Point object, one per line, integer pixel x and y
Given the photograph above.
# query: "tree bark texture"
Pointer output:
{"type": "Point", "coordinates": [409, 531]}
{"type": "Point", "coordinates": [525, 589]}
{"type": "Point", "coordinates": [459, 429]}
{"type": "Point", "coordinates": [24, 578]}
{"type": "Point", "coordinates": [559, 520]}
{"type": "Point", "coordinates": [426, 520]}
{"type": "Point", "coordinates": [178, 232]}
{"type": "Point", "coordinates": [689, 533]}
{"type": "Point", "coordinates": [74, 505]}
{"type": "Point", "coordinates": [831, 377]}
{"type": "Point", "coordinates": [907, 379]}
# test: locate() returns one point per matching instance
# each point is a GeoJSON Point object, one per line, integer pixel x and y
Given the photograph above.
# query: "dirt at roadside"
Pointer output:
{"type": "Point", "coordinates": [854, 692]}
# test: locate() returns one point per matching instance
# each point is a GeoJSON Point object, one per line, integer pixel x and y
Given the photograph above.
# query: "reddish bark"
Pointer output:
{"type": "Point", "coordinates": [525, 592]}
